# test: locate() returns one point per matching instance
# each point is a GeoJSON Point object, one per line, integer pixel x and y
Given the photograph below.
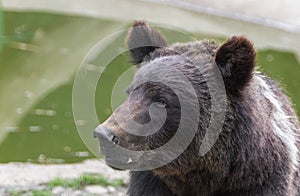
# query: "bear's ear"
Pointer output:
{"type": "Point", "coordinates": [236, 61]}
{"type": "Point", "coordinates": [142, 40]}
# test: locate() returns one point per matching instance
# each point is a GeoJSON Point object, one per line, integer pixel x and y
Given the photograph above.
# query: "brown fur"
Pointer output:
{"type": "Point", "coordinates": [248, 158]}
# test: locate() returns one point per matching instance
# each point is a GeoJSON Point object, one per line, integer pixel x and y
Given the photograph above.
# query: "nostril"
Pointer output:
{"type": "Point", "coordinates": [115, 139]}
{"type": "Point", "coordinates": [104, 132]}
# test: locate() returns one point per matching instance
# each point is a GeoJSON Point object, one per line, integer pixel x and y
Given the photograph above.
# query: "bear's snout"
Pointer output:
{"type": "Point", "coordinates": [107, 140]}
{"type": "Point", "coordinates": [105, 133]}
{"type": "Point", "coordinates": [116, 155]}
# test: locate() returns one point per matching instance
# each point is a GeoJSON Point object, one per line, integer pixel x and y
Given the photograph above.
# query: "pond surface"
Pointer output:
{"type": "Point", "coordinates": [39, 60]}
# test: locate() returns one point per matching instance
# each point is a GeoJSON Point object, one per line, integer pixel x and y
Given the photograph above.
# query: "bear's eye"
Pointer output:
{"type": "Point", "coordinates": [162, 102]}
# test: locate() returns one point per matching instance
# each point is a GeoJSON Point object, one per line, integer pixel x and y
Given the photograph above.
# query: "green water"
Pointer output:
{"type": "Point", "coordinates": [1, 27]}
{"type": "Point", "coordinates": [38, 65]}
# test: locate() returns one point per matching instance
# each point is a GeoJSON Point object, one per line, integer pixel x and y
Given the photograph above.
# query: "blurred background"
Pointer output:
{"type": "Point", "coordinates": [42, 44]}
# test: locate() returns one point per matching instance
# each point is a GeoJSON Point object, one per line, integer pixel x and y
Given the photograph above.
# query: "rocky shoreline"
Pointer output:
{"type": "Point", "coordinates": [32, 179]}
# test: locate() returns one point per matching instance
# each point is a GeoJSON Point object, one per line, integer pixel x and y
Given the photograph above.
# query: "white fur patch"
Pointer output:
{"type": "Point", "coordinates": [281, 123]}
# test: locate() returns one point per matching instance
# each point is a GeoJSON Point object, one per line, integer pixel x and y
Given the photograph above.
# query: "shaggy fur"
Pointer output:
{"type": "Point", "coordinates": [257, 152]}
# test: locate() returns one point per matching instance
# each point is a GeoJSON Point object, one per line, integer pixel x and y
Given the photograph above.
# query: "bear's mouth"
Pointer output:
{"type": "Point", "coordinates": [120, 162]}
{"type": "Point", "coordinates": [116, 156]}
{"type": "Point", "coordinates": [108, 162]}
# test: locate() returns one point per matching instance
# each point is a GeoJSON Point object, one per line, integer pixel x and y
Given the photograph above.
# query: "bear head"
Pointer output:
{"type": "Point", "coordinates": [170, 101]}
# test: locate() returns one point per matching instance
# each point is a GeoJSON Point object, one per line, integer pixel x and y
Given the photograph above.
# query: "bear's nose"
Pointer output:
{"type": "Point", "coordinates": [105, 133]}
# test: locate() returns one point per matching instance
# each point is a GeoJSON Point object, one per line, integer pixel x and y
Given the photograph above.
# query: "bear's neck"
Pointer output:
{"type": "Point", "coordinates": [188, 184]}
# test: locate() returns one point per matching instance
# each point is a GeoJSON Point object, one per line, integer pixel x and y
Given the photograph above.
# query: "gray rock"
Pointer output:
{"type": "Point", "coordinates": [95, 189]}
{"type": "Point", "coordinates": [58, 190]}
{"type": "Point", "coordinates": [111, 189]}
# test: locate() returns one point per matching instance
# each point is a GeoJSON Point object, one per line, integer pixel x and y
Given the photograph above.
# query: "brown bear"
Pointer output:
{"type": "Point", "coordinates": [257, 147]}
